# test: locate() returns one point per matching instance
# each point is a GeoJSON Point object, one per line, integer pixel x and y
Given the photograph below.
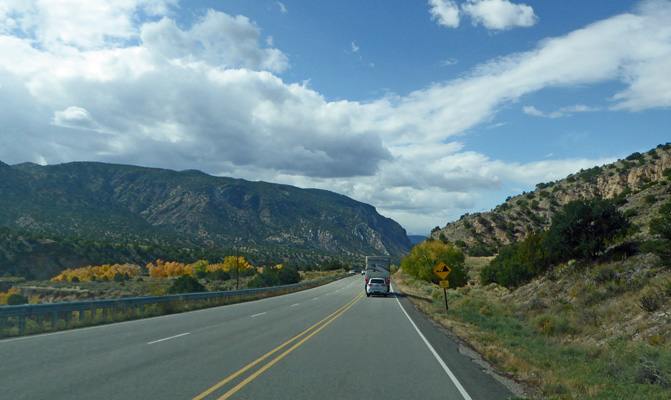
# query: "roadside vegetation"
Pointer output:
{"type": "Point", "coordinates": [160, 278]}
{"type": "Point", "coordinates": [157, 279]}
{"type": "Point", "coordinates": [578, 311]}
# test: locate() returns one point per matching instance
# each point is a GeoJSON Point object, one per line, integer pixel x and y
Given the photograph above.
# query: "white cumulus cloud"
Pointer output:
{"type": "Point", "coordinates": [209, 95]}
{"type": "Point", "coordinates": [492, 14]}
{"type": "Point", "coordinates": [499, 14]}
{"type": "Point", "coordinates": [446, 12]}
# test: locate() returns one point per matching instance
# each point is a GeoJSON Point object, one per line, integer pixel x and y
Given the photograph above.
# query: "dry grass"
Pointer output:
{"type": "Point", "coordinates": [558, 333]}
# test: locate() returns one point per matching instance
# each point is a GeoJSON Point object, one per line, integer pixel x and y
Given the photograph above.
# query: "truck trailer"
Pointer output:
{"type": "Point", "coordinates": [378, 267]}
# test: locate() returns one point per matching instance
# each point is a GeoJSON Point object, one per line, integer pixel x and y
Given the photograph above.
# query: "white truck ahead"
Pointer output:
{"type": "Point", "coordinates": [378, 267]}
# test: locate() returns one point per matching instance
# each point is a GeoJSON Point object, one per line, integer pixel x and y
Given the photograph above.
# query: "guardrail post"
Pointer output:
{"type": "Point", "coordinates": [22, 324]}
{"type": "Point", "coordinates": [54, 320]}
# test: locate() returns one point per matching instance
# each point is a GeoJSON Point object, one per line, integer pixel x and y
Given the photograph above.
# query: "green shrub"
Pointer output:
{"type": "Point", "coordinates": [480, 250]}
{"type": "Point", "coordinates": [649, 371]}
{"type": "Point", "coordinates": [220, 275]}
{"type": "Point", "coordinates": [507, 269]}
{"type": "Point", "coordinates": [590, 175]}
{"type": "Point", "coordinates": [275, 277]}
{"type": "Point", "coordinates": [582, 229]}
{"type": "Point", "coordinates": [550, 325]}
{"type": "Point", "coordinates": [332, 265]}
{"type": "Point", "coordinates": [186, 284]}
{"type": "Point", "coordinates": [635, 156]}
{"type": "Point", "coordinates": [16, 299]}
{"type": "Point", "coordinates": [650, 199]}
{"type": "Point", "coordinates": [604, 275]}
{"type": "Point", "coordinates": [651, 300]}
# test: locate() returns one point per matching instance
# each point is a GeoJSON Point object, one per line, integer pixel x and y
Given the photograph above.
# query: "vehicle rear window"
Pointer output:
{"type": "Point", "coordinates": [377, 280]}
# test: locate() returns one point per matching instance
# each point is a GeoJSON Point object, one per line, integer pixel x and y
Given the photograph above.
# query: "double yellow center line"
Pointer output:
{"type": "Point", "coordinates": [305, 335]}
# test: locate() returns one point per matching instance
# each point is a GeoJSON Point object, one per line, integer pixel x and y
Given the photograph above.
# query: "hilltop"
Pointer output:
{"type": "Point", "coordinates": [638, 184]}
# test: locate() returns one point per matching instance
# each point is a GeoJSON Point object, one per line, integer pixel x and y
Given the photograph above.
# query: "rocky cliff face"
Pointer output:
{"type": "Point", "coordinates": [120, 203]}
{"type": "Point", "coordinates": [640, 184]}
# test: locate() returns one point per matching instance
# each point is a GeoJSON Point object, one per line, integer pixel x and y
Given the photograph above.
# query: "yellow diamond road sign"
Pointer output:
{"type": "Point", "coordinates": [442, 270]}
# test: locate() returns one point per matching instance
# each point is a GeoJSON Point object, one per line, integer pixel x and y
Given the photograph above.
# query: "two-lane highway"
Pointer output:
{"type": "Point", "coordinates": [330, 342]}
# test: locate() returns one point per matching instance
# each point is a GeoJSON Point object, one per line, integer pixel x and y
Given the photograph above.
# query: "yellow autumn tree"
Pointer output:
{"type": "Point", "coordinates": [163, 269]}
{"type": "Point", "coordinates": [231, 263]}
{"type": "Point", "coordinates": [98, 272]}
{"type": "Point", "coordinates": [5, 296]}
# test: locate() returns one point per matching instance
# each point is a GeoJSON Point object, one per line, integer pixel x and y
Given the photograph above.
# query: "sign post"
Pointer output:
{"type": "Point", "coordinates": [442, 270]}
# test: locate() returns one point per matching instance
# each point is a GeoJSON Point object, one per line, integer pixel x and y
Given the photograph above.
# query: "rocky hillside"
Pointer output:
{"type": "Point", "coordinates": [639, 184]}
{"type": "Point", "coordinates": [126, 203]}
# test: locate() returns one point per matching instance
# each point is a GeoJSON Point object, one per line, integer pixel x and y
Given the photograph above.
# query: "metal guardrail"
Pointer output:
{"type": "Point", "coordinates": [65, 310]}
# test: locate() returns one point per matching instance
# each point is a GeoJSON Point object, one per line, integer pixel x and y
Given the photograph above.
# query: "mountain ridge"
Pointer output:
{"type": "Point", "coordinates": [121, 202]}
{"type": "Point", "coordinates": [638, 184]}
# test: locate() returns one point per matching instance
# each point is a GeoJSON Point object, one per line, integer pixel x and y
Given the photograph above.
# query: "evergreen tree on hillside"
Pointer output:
{"type": "Point", "coordinates": [582, 229]}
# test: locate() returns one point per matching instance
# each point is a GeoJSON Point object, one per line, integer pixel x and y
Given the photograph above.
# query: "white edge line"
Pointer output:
{"type": "Point", "coordinates": [454, 379]}
{"type": "Point", "coordinates": [168, 338]}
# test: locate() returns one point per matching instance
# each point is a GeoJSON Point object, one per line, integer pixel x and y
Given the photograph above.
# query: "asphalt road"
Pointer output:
{"type": "Point", "coordinates": [330, 342]}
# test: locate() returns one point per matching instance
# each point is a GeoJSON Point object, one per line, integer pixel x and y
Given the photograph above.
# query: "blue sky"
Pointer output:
{"type": "Point", "coordinates": [425, 109]}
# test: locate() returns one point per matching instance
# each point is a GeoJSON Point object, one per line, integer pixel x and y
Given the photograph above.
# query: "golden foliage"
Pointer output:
{"type": "Point", "coordinates": [163, 269]}
{"type": "Point", "coordinates": [232, 262]}
{"type": "Point", "coordinates": [98, 272]}
{"type": "Point", "coordinates": [159, 269]}
{"type": "Point", "coordinates": [5, 296]}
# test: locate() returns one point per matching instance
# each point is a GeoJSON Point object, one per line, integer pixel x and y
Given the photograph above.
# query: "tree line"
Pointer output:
{"type": "Point", "coordinates": [581, 230]}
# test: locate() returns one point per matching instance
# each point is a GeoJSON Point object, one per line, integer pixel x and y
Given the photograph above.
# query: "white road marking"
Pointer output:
{"type": "Point", "coordinates": [256, 315]}
{"type": "Point", "coordinates": [294, 305]}
{"type": "Point", "coordinates": [168, 338]}
{"type": "Point", "coordinates": [447, 370]}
